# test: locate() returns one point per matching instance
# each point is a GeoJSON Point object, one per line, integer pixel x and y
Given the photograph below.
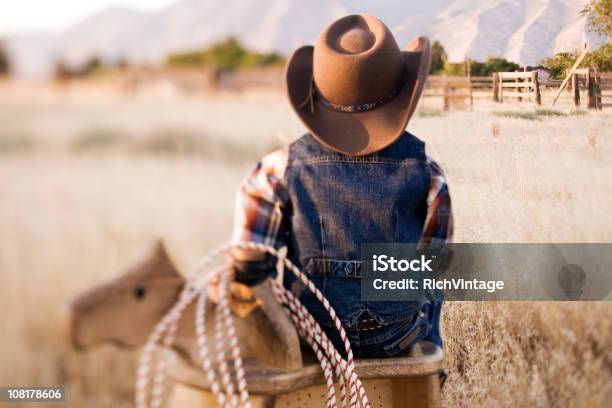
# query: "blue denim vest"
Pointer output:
{"type": "Point", "coordinates": [337, 202]}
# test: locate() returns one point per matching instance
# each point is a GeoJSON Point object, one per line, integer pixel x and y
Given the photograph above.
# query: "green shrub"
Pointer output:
{"type": "Point", "coordinates": [517, 115]}
{"type": "Point", "coordinates": [182, 142]}
{"type": "Point", "coordinates": [97, 139]}
{"type": "Point", "coordinates": [549, 112]}
{"type": "Point", "coordinates": [538, 114]}
{"type": "Point", "coordinates": [429, 113]}
{"type": "Point", "coordinates": [168, 142]}
{"type": "Point", "coordinates": [13, 143]}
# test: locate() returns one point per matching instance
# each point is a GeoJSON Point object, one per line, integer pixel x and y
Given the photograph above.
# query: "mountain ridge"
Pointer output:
{"type": "Point", "coordinates": [524, 31]}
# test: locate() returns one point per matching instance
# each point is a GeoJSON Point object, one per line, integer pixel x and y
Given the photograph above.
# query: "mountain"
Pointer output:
{"type": "Point", "coordinates": [524, 31]}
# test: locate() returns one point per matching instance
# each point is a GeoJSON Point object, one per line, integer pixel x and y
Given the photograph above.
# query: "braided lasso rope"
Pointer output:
{"type": "Point", "coordinates": [232, 392]}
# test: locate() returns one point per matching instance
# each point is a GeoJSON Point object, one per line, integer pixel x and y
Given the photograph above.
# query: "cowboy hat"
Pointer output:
{"type": "Point", "coordinates": [355, 90]}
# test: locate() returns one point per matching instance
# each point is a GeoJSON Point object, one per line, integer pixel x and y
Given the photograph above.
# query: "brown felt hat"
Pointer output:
{"type": "Point", "coordinates": [355, 90]}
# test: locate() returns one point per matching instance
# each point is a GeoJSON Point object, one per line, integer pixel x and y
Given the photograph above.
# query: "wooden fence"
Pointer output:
{"type": "Point", "coordinates": [520, 85]}
{"type": "Point", "coordinates": [603, 88]}
{"type": "Point", "coordinates": [454, 90]}
{"type": "Point", "coordinates": [598, 86]}
{"type": "Point", "coordinates": [482, 83]}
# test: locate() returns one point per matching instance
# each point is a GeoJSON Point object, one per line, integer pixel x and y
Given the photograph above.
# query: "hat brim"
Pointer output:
{"type": "Point", "coordinates": [358, 133]}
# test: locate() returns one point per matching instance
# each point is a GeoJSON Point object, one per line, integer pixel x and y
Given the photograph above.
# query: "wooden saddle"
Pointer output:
{"type": "Point", "coordinates": [279, 372]}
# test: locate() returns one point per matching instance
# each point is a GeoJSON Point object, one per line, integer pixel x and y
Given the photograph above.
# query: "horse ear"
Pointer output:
{"type": "Point", "coordinates": [159, 263]}
{"type": "Point", "coordinates": [155, 265]}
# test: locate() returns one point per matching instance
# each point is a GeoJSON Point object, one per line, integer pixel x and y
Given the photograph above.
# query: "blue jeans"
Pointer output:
{"type": "Point", "coordinates": [392, 339]}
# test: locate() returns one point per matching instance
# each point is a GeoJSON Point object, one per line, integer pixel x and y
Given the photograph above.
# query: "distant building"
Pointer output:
{"type": "Point", "coordinates": [543, 73]}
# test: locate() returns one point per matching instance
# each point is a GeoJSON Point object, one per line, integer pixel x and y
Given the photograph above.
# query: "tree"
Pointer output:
{"type": "Point", "coordinates": [599, 16]}
{"type": "Point", "coordinates": [477, 68]}
{"type": "Point", "coordinates": [226, 55]}
{"type": "Point", "coordinates": [601, 58]}
{"type": "Point", "coordinates": [438, 58]}
{"type": "Point", "coordinates": [493, 64]}
{"type": "Point", "coordinates": [91, 66]}
{"type": "Point", "coordinates": [64, 71]}
{"type": "Point", "coordinates": [5, 63]}
{"type": "Point", "coordinates": [559, 64]}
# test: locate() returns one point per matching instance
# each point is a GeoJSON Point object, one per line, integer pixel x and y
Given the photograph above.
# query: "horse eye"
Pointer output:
{"type": "Point", "coordinates": [140, 292]}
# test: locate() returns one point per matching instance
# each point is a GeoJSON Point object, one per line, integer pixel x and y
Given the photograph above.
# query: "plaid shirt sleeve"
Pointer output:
{"type": "Point", "coordinates": [259, 203]}
{"type": "Point", "coordinates": [438, 228]}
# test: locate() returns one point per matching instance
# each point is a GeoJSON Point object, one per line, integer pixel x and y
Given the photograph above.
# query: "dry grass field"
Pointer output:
{"type": "Point", "coordinates": [88, 179]}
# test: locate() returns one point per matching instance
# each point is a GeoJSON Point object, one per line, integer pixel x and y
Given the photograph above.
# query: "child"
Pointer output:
{"type": "Point", "coordinates": [356, 177]}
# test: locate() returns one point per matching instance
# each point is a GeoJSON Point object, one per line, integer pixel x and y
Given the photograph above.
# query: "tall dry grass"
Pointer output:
{"type": "Point", "coordinates": [71, 217]}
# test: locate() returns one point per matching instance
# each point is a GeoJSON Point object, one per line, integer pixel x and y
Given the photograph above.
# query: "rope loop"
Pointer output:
{"type": "Point", "coordinates": [231, 391]}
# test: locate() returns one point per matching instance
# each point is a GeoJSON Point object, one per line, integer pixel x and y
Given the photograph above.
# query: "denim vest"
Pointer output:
{"type": "Point", "coordinates": [337, 202]}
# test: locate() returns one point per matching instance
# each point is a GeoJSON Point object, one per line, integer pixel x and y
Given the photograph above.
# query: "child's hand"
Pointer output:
{"type": "Point", "coordinates": [242, 300]}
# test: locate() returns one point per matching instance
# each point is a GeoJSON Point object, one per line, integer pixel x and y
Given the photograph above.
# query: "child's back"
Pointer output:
{"type": "Point", "coordinates": [356, 178]}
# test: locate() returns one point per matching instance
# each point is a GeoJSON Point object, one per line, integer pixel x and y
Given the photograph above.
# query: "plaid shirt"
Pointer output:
{"type": "Point", "coordinates": [260, 204]}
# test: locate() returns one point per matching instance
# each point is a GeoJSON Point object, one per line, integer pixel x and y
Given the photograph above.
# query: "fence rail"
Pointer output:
{"type": "Point", "coordinates": [601, 83]}
{"type": "Point", "coordinates": [523, 85]}
{"type": "Point", "coordinates": [453, 90]}
{"type": "Point", "coordinates": [482, 83]}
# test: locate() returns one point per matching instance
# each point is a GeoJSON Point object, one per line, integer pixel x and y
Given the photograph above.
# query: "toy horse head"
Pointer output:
{"type": "Point", "coordinates": [125, 310]}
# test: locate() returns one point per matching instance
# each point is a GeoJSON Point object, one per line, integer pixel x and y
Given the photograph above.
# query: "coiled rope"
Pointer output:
{"type": "Point", "coordinates": [232, 392]}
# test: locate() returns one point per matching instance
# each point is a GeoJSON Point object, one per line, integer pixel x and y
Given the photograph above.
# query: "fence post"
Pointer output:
{"type": "Point", "coordinates": [591, 102]}
{"type": "Point", "coordinates": [518, 89]}
{"type": "Point", "coordinates": [536, 87]}
{"type": "Point", "coordinates": [215, 78]}
{"type": "Point", "coordinates": [576, 89]}
{"type": "Point", "coordinates": [446, 94]}
{"type": "Point", "coordinates": [597, 90]}
{"type": "Point", "coordinates": [469, 83]}
{"type": "Point", "coordinates": [495, 87]}
{"type": "Point", "coordinates": [500, 84]}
